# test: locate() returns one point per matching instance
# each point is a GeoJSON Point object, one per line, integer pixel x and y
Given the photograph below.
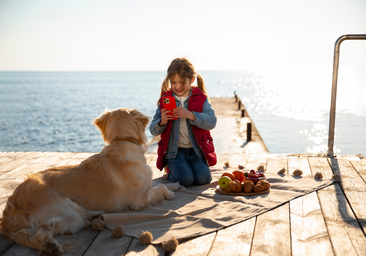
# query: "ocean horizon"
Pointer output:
{"type": "Point", "coordinates": [53, 111]}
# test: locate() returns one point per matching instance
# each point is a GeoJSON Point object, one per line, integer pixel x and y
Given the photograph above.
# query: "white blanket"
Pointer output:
{"type": "Point", "coordinates": [198, 210]}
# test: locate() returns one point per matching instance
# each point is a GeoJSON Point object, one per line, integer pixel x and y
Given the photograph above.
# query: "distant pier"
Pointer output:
{"type": "Point", "coordinates": [235, 131]}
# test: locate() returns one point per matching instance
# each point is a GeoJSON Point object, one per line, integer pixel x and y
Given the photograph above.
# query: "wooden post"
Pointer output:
{"type": "Point", "coordinates": [249, 131]}
{"type": "Point", "coordinates": [243, 113]}
{"type": "Point", "coordinates": [236, 96]}
{"type": "Point", "coordinates": [239, 104]}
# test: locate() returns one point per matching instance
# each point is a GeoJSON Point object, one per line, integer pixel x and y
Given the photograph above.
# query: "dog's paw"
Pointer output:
{"type": "Point", "coordinates": [169, 195]}
{"type": "Point", "coordinates": [52, 248]}
{"type": "Point", "coordinates": [173, 186]}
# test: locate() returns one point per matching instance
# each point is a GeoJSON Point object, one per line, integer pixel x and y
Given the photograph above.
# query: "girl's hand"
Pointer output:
{"type": "Point", "coordinates": [165, 117]}
{"type": "Point", "coordinates": [182, 112]}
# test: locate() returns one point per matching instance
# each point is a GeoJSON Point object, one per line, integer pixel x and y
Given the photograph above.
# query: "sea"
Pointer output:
{"type": "Point", "coordinates": [53, 111]}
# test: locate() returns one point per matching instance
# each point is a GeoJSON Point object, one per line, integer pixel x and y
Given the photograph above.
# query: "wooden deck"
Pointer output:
{"type": "Point", "coordinates": [331, 221]}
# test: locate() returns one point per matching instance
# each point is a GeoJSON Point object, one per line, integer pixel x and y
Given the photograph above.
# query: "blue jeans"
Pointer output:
{"type": "Point", "coordinates": [187, 168]}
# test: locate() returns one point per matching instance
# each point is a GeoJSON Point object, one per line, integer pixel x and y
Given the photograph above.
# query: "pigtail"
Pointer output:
{"type": "Point", "coordinates": [201, 84]}
{"type": "Point", "coordinates": [164, 88]}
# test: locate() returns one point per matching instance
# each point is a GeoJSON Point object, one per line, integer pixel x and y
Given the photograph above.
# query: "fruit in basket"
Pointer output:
{"type": "Point", "coordinates": [224, 182]}
{"type": "Point", "coordinates": [248, 186]}
{"type": "Point", "coordinates": [228, 174]}
{"type": "Point", "coordinates": [239, 175]}
{"type": "Point", "coordinates": [255, 177]}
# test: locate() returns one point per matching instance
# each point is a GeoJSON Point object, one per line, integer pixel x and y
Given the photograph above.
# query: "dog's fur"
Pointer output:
{"type": "Point", "coordinates": [63, 199]}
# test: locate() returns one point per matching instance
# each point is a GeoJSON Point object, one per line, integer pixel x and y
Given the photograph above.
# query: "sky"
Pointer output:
{"type": "Point", "coordinates": [111, 35]}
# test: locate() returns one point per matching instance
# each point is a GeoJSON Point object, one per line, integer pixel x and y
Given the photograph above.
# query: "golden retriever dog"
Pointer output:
{"type": "Point", "coordinates": [64, 199]}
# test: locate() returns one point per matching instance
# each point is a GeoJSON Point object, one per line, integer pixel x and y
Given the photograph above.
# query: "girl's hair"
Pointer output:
{"type": "Point", "coordinates": [183, 68]}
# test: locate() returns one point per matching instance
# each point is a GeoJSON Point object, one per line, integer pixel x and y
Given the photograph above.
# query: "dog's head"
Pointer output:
{"type": "Point", "coordinates": [122, 123]}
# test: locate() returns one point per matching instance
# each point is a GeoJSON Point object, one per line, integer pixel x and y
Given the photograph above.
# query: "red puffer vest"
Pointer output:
{"type": "Point", "coordinates": [203, 137]}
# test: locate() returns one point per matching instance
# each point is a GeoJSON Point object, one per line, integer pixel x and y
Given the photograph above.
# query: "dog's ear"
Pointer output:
{"type": "Point", "coordinates": [101, 121]}
{"type": "Point", "coordinates": [144, 120]}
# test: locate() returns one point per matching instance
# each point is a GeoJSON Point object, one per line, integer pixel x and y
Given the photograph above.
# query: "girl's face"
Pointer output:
{"type": "Point", "coordinates": [180, 86]}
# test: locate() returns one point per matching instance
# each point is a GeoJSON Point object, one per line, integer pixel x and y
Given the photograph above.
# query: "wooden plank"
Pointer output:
{"type": "Point", "coordinates": [5, 243]}
{"type": "Point", "coordinates": [300, 163]}
{"type": "Point", "coordinates": [18, 249]}
{"type": "Point", "coordinates": [6, 189]}
{"type": "Point", "coordinates": [199, 246]}
{"type": "Point", "coordinates": [39, 163]}
{"type": "Point", "coordinates": [6, 157]}
{"type": "Point", "coordinates": [235, 240]}
{"type": "Point", "coordinates": [235, 160]}
{"type": "Point", "coordinates": [354, 188]}
{"type": "Point", "coordinates": [255, 161]}
{"type": "Point", "coordinates": [344, 231]}
{"type": "Point", "coordinates": [272, 229]}
{"type": "Point", "coordinates": [272, 233]}
{"type": "Point", "coordinates": [138, 249]}
{"type": "Point", "coordinates": [274, 165]}
{"type": "Point", "coordinates": [360, 166]}
{"type": "Point", "coordinates": [82, 242]}
{"type": "Point", "coordinates": [309, 235]}
{"type": "Point", "coordinates": [19, 160]}
{"type": "Point", "coordinates": [105, 244]}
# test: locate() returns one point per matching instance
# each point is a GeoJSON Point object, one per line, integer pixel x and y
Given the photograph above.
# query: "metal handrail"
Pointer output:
{"type": "Point", "coordinates": [334, 87]}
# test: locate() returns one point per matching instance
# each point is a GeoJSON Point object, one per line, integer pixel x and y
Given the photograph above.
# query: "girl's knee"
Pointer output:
{"type": "Point", "coordinates": [184, 180]}
{"type": "Point", "coordinates": [187, 181]}
{"type": "Point", "coordinates": [202, 180]}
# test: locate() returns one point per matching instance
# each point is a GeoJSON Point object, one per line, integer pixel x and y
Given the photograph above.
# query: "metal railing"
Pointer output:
{"type": "Point", "coordinates": [334, 87]}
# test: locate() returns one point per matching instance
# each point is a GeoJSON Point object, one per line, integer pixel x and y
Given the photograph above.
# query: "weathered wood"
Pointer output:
{"type": "Point", "coordinates": [17, 249]}
{"type": "Point", "coordinates": [20, 160]}
{"type": "Point", "coordinates": [309, 235]}
{"type": "Point", "coordinates": [255, 161]}
{"type": "Point", "coordinates": [138, 249]}
{"type": "Point", "coordinates": [274, 165]}
{"type": "Point", "coordinates": [344, 231]}
{"type": "Point", "coordinates": [238, 160]}
{"type": "Point", "coordinates": [272, 229]}
{"type": "Point", "coordinates": [272, 233]}
{"type": "Point", "coordinates": [300, 163]}
{"type": "Point", "coordinates": [360, 166]}
{"type": "Point", "coordinates": [199, 246]}
{"type": "Point", "coordinates": [235, 240]}
{"type": "Point", "coordinates": [82, 241]}
{"type": "Point", "coordinates": [354, 188]}
{"type": "Point", "coordinates": [41, 162]}
{"type": "Point", "coordinates": [105, 244]}
{"type": "Point", "coordinates": [295, 228]}
{"type": "Point", "coordinates": [5, 244]}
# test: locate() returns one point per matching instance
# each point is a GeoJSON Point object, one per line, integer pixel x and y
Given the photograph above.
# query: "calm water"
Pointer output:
{"type": "Point", "coordinates": [52, 111]}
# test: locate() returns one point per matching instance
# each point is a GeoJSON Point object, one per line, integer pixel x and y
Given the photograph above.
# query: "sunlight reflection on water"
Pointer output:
{"type": "Point", "coordinates": [52, 111]}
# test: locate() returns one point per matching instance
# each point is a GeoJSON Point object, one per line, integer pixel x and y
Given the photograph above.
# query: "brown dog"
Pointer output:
{"type": "Point", "coordinates": [63, 199]}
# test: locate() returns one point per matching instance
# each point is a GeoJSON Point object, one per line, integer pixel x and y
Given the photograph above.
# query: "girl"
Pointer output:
{"type": "Point", "coordinates": [186, 145]}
